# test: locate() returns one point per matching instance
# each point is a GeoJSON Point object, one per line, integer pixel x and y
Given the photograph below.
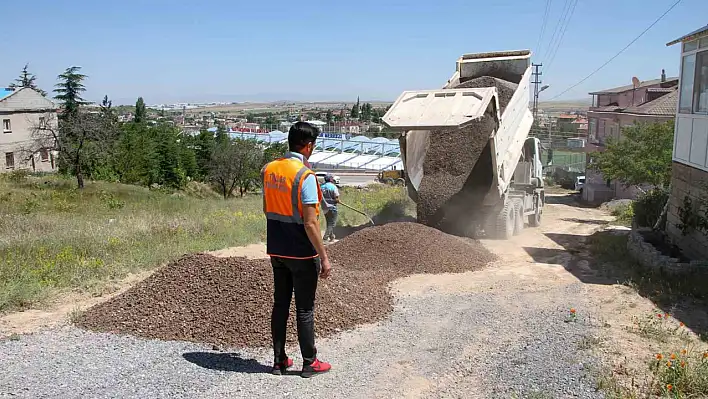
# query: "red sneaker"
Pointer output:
{"type": "Point", "coordinates": [280, 368]}
{"type": "Point", "coordinates": [317, 367]}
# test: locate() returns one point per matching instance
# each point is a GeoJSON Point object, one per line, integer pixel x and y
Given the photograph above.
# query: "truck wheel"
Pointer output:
{"type": "Point", "coordinates": [400, 182]}
{"type": "Point", "coordinates": [505, 221]}
{"type": "Point", "coordinates": [388, 180]}
{"type": "Point", "coordinates": [535, 219]}
{"type": "Point", "coordinates": [518, 217]}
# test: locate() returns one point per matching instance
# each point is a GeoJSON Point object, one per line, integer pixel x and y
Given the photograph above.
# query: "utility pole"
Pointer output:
{"type": "Point", "coordinates": [536, 83]}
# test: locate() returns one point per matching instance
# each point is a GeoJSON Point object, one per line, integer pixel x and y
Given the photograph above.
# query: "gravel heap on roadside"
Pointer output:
{"type": "Point", "coordinates": [457, 168]}
{"type": "Point", "coordinates": [227, 301]}
{"type": "Point", "coordinates": [399, 249]}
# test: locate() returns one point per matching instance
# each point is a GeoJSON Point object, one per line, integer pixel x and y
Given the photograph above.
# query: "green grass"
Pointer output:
{"type": "Point", "coordinates": [54, 237]}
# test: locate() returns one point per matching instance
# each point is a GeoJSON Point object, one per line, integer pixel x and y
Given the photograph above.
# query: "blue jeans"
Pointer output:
{"type": "Point", "coordinates": [331, 218]}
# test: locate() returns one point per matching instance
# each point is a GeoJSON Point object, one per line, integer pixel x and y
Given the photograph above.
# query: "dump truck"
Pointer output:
{"type": "Point", "coordinates": [469, 162]}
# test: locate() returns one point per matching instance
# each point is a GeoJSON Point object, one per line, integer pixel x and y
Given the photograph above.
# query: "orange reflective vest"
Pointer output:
{"type": "Point", "coordinates": [282, 188]}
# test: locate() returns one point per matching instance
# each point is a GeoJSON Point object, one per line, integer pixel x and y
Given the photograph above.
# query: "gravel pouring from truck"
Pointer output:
{"type": "Point", "coordinates": [469, 163]}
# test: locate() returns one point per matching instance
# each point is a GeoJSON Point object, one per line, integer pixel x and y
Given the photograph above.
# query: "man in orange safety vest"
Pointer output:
{"type": "Point", "coordinates": [291, 198]}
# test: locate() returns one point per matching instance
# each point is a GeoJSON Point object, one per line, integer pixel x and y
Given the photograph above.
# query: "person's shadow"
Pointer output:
{"type": "Point", "coordinates": [226, 362]}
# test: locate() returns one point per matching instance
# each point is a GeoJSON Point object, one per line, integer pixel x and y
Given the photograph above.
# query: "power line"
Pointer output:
{"type": "Point", "coordinates": [543, 26]}
{"type": "Point", "coordinates": [556, 30]}
{"type": "Point", "coordinates": [560, 41]}
{"type": "Point", "coordinates": [619, 52]}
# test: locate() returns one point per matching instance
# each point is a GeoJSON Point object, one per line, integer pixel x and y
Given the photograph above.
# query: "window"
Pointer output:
{"type": "Point", "coordinates": [688, 69]}
{"type": "Point", "coordinates": [44, 155]}
{"type": "Point", "coordinates": [41, 121]}
{"type": "Point", "coordinates": [704, 43]}
{"type": "Point", "coordinates": [700, 98]}
{"type": "Point", "coordinates": [10, 160]}
{"type": "Point", "coordinates": [6, 127]}
{"type": "Point", "coordinates": [690, 46]}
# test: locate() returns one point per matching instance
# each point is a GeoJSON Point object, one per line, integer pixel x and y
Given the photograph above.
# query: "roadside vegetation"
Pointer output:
{"type": "Point", "coordinates": [672, 337]}
{"type": "Point", "coordinates": [55, 237]}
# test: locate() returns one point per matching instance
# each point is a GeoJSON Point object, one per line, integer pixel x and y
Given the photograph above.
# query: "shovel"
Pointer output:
{"type": "Point", "coordinates": [358, 211]}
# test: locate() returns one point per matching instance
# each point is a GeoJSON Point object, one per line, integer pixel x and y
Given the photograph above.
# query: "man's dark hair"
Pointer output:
{"type": "Point", "coordinates": [301, 134]}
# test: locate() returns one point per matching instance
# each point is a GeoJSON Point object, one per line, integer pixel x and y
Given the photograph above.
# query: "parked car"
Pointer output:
{"type": "Point", "coordinates": [579, 183]}
{"type": "Point", "coordinates": [321, 176]}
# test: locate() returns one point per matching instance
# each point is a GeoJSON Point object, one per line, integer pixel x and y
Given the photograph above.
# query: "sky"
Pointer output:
{"type": "Point", "coordinates": [234, 50]}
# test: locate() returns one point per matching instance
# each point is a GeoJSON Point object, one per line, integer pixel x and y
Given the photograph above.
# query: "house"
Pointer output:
{"type": "Point", "coordinates": [690, 163]}
{"type": "Point", "coordinates": [650, 101]}
{"type": "Point", "coordinates": [21, 111]}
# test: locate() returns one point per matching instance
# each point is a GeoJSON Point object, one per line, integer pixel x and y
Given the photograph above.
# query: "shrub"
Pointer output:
{"type": "Point", "coordinates": [648, 207]}
{"type": "Point", "coordinates": [624, 214]}
{"type": "Point", "coordinates": [18, 176]}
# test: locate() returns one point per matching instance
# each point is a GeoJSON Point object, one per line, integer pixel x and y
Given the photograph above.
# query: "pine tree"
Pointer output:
{"type": "Point", "coordinates": [26, 79]}
{"type": "Point", "coordinates": [107, 110]}
{"type": "Point", "coordinates": [355, 109]}
{"type": "Point", "coordinates": [140, 111]}
{"type": "Point", "coordinates": [69, 91]}
{"type": "Point", "coordinates": [366, 112]}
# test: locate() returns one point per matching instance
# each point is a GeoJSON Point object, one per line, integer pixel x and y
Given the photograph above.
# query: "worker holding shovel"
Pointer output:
{"type": "Point", "coordinates": [330, 198]}
{"type": "Point", "coordinates": [291, 203]}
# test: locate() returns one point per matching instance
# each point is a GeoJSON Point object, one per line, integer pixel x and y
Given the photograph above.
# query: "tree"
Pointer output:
{"type": "Point", "coordinates": [273, 152]}
{"type": "Point", "coordinates": [330, 117]}
{"type": "Point", "coordinates": [366, 112]}
{"type": "Point", "coordinates": [82, 141]}
{"type": "Point", "coordinates": [355, 109]}
{"type": "Point", "coordinates": [27, 79]}
{"type": "Point", "coordinates": [107, 110]}
{"type": "Point", "coordinates": [642, 156]}
{"type": "Point", "coordinates": [69, 91]}
{"type": "Point", "coordinates": [140, 111]}
{"type": "Point", "coordinates": [271, 121]}
{"type": "Point", "coordinates": [235, 163]}
{"type": "Point", "coordinates": [137, 161]}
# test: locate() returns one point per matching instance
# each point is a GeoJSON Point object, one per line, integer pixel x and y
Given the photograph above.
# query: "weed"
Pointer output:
{"type": "Point", "coordinates": [14, 337]}
{"type": "Point", "coordinates": [681, 374]}
{"type": "Point", "coordinates": [110, 200]}
{"type": "Point", "coordinates": [75, 315]}
{"type": "Point", "coordinates": [623, 214]}
{"type": "Point", "coordinates": [539, 395]}
{"type": "Point", "coordinates": [589, 342]}
{"type": "Point", "coordinates": [655, 327]}
{"type": "Point", "coordinates": [572, 316]}
{"type": "Point", "coordinates": [30, 205]}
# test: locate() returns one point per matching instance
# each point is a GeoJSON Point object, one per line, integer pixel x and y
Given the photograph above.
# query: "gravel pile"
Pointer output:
{"type": "Point", "coordinates": [227, 301]}
{"type": "Point", "coordinates": [457, 171]}
{"type": "Point", "coordinates": [505, 90]}
{"type": "Point", "coordinates": [399, 249]}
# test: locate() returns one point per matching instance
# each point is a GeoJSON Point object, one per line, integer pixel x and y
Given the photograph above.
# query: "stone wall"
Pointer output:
{"type": "Point", "coordinates": [686, 181]}
{"type": "Point", "coordinates": [650, 258]}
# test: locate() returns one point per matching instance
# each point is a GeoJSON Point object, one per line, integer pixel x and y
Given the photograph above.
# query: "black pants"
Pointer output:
{"type": "Point", "coordinates": [300, 275]}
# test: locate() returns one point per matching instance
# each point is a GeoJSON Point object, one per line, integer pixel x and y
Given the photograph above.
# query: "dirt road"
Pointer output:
{"type": "Point", "coordinates": [503, 332]}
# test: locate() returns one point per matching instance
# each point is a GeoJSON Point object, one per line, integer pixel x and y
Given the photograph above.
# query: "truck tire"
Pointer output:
{"type": "Point", "coordinates": [518, 217]}
{"type": "Point", "coordinates": [400, 182]}
{"type": "Point", "coordinates": [388, 181]}
{"type": "Point", "coordinates": [535, 219]}
{"type": "Point", "coordinates": [505, 221]}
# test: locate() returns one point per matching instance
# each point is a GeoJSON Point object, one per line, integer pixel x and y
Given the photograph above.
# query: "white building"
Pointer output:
{"type": "Point", "coordinates": [22, 110]}
{"type": "Point", "coordinates": [690, 155]}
